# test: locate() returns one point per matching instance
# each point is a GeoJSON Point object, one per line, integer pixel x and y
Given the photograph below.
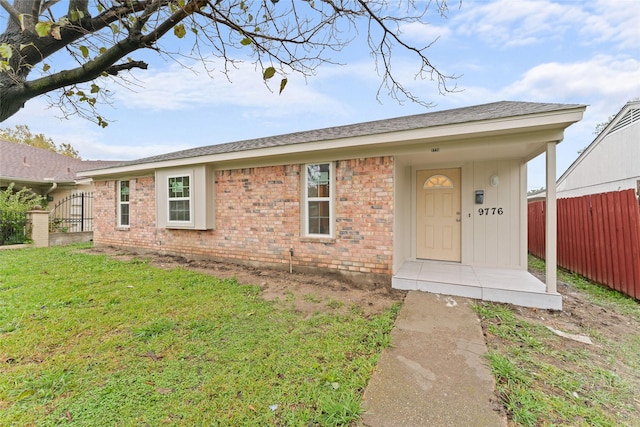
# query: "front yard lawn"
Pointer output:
{"type": "Point", "coordinates": [89, 341]}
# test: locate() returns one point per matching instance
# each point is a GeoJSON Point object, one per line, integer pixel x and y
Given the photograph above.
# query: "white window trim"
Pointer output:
{"type": "Point", "coordinates": [331, 198]}
{"type": "Point", "coordinates": [120, 203]}
{"type": "Point", "coordinates": [203, 193]}
{"type": "Point", "coordinates": [190, 199]}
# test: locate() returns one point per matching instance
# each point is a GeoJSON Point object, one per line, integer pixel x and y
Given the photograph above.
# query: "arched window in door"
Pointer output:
{"type": "Point", "coordinates": [437, 181]}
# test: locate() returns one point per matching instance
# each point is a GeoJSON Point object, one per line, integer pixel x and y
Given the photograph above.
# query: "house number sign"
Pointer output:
{"type": "Point", "coordinates": [490, 211]}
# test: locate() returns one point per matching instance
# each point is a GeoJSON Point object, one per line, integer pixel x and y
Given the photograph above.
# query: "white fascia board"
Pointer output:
{"type": "Point", "coordinates": [558, 119]}
{"type": "Point", "coordinates": [30, 181]}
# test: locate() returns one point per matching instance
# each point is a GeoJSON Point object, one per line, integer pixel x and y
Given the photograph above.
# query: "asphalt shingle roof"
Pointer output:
{"type": "Point", "coordinates": [496, 110]}
{"type": "Point", "coordinates": [24, 162]}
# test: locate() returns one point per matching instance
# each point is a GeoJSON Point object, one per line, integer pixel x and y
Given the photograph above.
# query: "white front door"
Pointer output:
{"type": "Point", "coordinates": [438, 214]}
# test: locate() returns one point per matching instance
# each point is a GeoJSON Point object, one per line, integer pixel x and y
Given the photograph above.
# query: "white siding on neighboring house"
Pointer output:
{"type": "Point", "coordinates": [611, 162]}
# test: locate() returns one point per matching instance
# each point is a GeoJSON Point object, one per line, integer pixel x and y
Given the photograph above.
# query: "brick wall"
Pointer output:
{"type": "Point", "coordinates": [258, 220]}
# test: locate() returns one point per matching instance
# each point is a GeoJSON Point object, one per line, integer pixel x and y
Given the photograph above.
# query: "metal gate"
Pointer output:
{"type": "Point", "coordinates": [13, 228]}
{"type": "Point", "coordinates": [73, 214]}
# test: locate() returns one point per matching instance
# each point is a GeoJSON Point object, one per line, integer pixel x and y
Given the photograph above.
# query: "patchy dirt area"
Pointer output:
{"type": "Point", "coordinates": [308, 293]}
{"type": "Point", "coordinates": [604, 371]}
{"type": "Point", "coordinates": [581, 316]}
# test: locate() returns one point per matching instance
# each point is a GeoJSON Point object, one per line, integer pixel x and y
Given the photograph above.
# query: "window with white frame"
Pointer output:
{"type": "Point", "coordinates": [179, 197]}
{"type": "Point", "coordinates": [123, 203]}
{"type": "Point", "coordinates": [186, 197]}
{"type": "Point", "coordinates": [318, 196]}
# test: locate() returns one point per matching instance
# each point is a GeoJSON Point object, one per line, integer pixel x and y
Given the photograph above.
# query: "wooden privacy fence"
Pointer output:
{"type": "Point", "coordinates": [598, 237]}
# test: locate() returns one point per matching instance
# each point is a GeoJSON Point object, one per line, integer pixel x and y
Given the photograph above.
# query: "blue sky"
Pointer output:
{"type": "Point", "coordinates": [583, 51]}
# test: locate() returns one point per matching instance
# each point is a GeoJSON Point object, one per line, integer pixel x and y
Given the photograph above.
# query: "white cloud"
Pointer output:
{"type": "Point", "coordinates": [180, 88]}
{"type": "Point", "coordinates": [601, 76]}
{"type": "Point", "coordinates": [617, 22]}
{"type": "Point", "coordinates": [425, 33]}
{"type": "Point", "coordinates": [505, 23]}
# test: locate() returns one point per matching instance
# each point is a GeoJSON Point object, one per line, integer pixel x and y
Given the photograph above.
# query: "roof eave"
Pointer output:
{"type": "Point", "coordinates": [559, 119]}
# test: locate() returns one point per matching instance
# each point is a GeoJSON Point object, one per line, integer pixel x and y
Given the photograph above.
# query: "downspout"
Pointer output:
{"type": "Point", "coordinates": [53, 187]}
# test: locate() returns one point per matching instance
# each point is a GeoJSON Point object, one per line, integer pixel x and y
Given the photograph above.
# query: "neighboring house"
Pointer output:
{"type": "Point", "coordinates": [598, 231]}
{"type": "Point", "coordinates": [611, 162]}
{"type": "Point", "coordinates": [434, 201]}
{"type": "Point", "coordinates": [45, 172]}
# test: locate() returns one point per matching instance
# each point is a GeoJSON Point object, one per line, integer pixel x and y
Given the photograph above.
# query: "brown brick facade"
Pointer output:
{"type": "Point", "coordinates": [258, 220]}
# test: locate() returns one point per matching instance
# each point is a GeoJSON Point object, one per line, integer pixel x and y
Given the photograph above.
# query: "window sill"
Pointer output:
{"type": "Point", "coordinates": [123, 228]}
{"type": "Point", "coordinates": [309, 239]}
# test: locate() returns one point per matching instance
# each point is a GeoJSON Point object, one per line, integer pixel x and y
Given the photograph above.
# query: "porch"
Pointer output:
{"type": "Point", "coordinates": [489, 284]}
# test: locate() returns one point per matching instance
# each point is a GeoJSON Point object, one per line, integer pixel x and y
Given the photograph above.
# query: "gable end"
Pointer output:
{"type": "Point", "coordinates": [632, 116]}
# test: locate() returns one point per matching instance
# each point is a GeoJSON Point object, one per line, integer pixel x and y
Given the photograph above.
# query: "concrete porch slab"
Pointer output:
{"type": "Point", "coordinates": [512, 286]}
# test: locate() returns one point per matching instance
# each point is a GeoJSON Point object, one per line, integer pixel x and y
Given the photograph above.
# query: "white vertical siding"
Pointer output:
{"type": "Point", "coordinates": [402, 194]}
{"type": "Point", "coordinates": [611, 165]}
{"type": "Point", "coordinates": [497, 238]}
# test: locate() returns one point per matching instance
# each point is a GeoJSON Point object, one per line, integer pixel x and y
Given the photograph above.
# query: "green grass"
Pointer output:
{"type": "Point", "coordinates": [87, 341]}
{"type": "Point", "coordinates": [543, 381]}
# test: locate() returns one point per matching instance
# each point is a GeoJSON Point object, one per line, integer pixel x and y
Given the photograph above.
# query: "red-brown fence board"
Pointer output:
{"type": "Point", "coordinates": [598, 237]}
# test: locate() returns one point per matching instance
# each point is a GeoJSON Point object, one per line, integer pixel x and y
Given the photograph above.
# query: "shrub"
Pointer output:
{"type": "Point", "coordinates": [13, 208]}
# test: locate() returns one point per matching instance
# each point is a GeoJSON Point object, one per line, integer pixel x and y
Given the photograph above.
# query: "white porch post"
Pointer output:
{"type": "Point", "coordinates": [551, 220]}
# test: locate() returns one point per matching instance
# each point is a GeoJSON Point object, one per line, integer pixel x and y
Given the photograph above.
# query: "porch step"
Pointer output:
{"type": "Point", "coordinates": [517, 287]}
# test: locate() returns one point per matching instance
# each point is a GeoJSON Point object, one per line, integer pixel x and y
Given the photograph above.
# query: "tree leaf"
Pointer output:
{"type": "Point", "coordinates": [46, 67]}
{"type": "Point", "coordinates": [179, 31]}
{"type": "Point", "coordinates": [102, 50]}
{"type": "Point", "coordinates": [85, 51]}
{"type": "Point", "coordinates": [43, 28]}
{"type": "Point", "coordinates": [245, 41]}
{"type": "Point", "coordinates": [283, 83]}
{"type": "Point", "coordinates": [55, 33]}
{"type": "Point", "coordinates": [5, 51]}
{"type": "Point", "coordinates": [268, 73]}
{"type": "Point", "coordinates": [95, 88]}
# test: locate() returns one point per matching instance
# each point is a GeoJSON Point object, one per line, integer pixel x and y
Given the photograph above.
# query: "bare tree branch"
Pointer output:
{"type": "Point", "coordinates": [291, 36]}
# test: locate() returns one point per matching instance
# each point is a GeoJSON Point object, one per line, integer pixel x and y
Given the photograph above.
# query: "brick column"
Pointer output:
{"type": "Point", "coordinates": [39, 228]}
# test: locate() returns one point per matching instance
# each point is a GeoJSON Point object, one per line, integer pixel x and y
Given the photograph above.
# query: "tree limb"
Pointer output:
{"type": "Point", "coordinates": [15, 15]}
{"type": "Point", "coordinates": [84, 73]}
{"type": "Point", "coordinates": [115, 69]}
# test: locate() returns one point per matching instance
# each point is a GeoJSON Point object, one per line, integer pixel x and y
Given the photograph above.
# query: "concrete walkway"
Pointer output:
{"type": "Point", "coordinates": [434, 372]}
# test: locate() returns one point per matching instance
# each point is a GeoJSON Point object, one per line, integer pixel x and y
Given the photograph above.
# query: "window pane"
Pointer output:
{"type": "Point", "coordinates": [179, 187]}
{"type": "Point", "coordinates": [318, 180]}
{"type": "Point", "coordinates": [179, 210]}
{"type": "Point", "coordinates": [437, 181]}
{"type": "Point", "coordinates": [319, 217]}
{"type": "Point", "coordinates": [124, 191]}
{"type": "Point", "coordinates": [124, 214]}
